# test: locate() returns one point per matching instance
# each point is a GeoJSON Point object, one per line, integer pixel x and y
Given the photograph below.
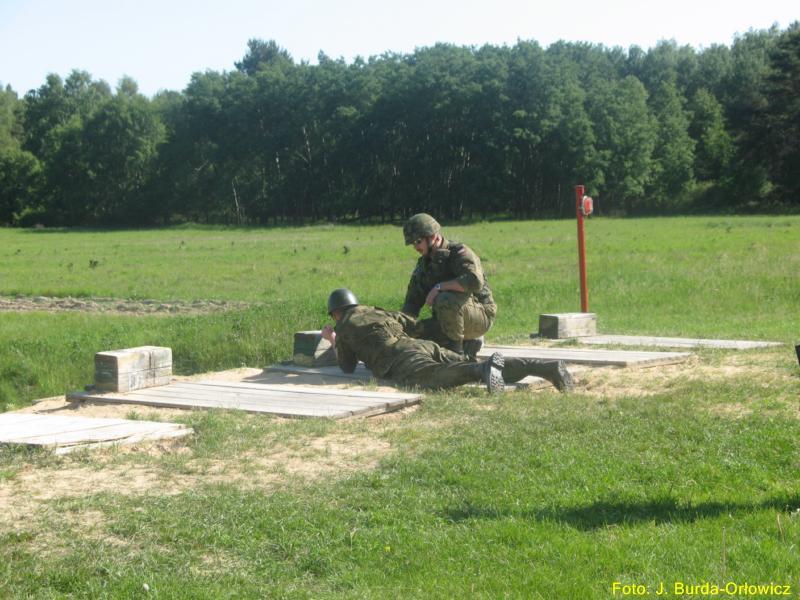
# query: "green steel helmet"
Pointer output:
{"type": "Point", "coordinates": [341, 298]}
{"type": "Point", "coordinates": [419, 226]}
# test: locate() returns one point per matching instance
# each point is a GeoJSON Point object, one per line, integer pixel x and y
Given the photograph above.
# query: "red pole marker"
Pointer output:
{"type": "Point", "coordinates": [583, 208]}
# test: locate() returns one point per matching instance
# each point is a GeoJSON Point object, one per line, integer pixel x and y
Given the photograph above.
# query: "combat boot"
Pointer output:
{"type": "Point", "coordinates": [491, 371]}
{"type": "Point", "coordinates": [559, 376]}
{"type": "Point", "coordinates": [472, 347]}
{"type": "Point", "coordinates": [554, 371]}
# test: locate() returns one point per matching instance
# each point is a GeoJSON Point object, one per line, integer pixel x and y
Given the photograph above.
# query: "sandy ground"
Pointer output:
{"type": "Point", "coordinates": [29, 490]}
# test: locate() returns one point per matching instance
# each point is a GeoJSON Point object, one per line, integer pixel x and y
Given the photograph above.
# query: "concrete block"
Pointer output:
{"type": "Point", "coordinates": [567, 325]}
{"type": "Point", "coordinates": [132, 368]}
{"type": "Point", "coordinates": [312, 350]}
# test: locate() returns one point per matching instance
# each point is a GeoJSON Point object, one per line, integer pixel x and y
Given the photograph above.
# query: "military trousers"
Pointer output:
{"type": "Point", "coordinates": [459, 316]}
{"type": "Point", "coordinates": [426, 364]}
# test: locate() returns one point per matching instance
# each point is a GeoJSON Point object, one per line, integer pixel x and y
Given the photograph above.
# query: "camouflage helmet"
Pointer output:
{"type": "Point", "coordinates": [341, 298]}
{"type": "Point", "coordinates": [421, 225]}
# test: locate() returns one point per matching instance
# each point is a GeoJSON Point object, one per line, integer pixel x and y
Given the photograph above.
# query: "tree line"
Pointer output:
{"type": "Point", "coordinates": [460, 132]}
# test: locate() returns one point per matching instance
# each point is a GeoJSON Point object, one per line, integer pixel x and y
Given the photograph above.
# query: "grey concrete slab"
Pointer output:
{"type": "Point", "coordinates": [590, 357]}
{"type": "Point", "coordinates": [673, 342]}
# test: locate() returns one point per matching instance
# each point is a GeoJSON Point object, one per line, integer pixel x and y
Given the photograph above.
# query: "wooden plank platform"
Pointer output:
{"type": "Point", "coordinates": [591, 357]}
{"type": "Point", "coordinates": [364, 375]}
{"type": "Point", "coordinates": [276, 399]}
{"type": "Point", "coordinates": [673, 342]}
{"type": "Point", "coordinates": [67, 433]}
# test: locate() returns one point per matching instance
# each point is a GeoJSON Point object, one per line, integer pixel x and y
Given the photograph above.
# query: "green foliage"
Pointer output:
{"type": "Point", "coordinates": [674, 151]}
{"type": "Point", "coordinates": [776, 134]}
{"type": "Point", "coordinates": [20, 183]}
{"type": "Point", "coordinates": [458, 131]}
{"type": "Point", "coordinates": [626, 134]}
{"type": "Point", "coordinates": [715, 147]}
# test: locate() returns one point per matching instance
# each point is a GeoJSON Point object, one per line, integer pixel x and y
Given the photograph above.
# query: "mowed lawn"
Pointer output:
{"type": "Point", "coordinates": [677, 476]}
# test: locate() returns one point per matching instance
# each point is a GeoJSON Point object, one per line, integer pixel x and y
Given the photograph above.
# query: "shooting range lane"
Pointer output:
{"type": "Point", "coordinates": [590, 357]}
{"type": "Point", "coordinates": [68, 433]}
{"type": "Point", "coordinates": [275, 399]}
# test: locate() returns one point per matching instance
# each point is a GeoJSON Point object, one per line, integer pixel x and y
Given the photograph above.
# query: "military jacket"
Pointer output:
{"type": "Point", "coordinates": [451, 261]}
{"type": "Point", "coordinates": [373, 335]}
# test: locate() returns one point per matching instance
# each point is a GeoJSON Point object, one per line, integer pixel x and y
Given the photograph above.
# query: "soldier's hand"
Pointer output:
{"type": "Point", "coordinates": [328, 333]}
{"type": "Point", "coordinates": [431, 298]}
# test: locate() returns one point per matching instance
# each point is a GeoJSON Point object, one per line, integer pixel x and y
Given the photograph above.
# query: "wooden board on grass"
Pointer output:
{"type": "Point", "coordinates": [590, 357]}
{"type": "Point", "coordinates": [276, 399]}
{"type": "Point", "coordinates": [68, 433]}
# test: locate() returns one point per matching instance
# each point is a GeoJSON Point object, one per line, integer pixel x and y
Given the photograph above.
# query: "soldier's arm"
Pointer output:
{"type": "Point", "coordinates": [467, 267]}
{"type": "Point", "coordinates": [415, 295]}
{"type": "Point", "coordinates": [409, 324]}
{"type": "Point", "coordinates": [345, 356]}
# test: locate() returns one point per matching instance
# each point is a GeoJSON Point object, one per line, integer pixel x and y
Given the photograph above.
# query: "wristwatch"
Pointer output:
{"type": "Point", "coordinates": [438, 287]}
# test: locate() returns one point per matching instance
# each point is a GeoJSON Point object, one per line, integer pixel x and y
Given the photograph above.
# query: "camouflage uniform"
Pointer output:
{"type": "Point", "coordinates": [379, 338]}
{"type": "Point", "coordinates": [456, 315]}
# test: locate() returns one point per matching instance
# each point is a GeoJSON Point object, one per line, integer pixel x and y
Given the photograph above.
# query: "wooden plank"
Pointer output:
{"type": "Point", "coordinates": [63, 431]}
{"type": "Point", "coordinates": [674, 342]}
{"type": "Point", "coordinates": [58, 424]}
{"type": "Point", "coordinates": [192, 404]}
{"type": "Point", "coordinates": [133, 439]}
{"type": "Point", "coordinates": [38, 425]}
{"type": "Point", "coordinates": [287, 395]}
{"type": "Point", "coordinates": [91, 434]}
{"type": "Point", "coordinates": [567, 325]}
{"type": "Point", "coordinates": [591, 357]}
{"type": "Point", "coordinates": [278, 399]}
{"type": "Point", "coordinates": [242, 401]}
{"type": "Point", "coordinates": [279, 387]}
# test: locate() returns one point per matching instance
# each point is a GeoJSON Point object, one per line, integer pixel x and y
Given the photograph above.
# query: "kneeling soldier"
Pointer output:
{"type": "Point", "coordinates": [449, 278]}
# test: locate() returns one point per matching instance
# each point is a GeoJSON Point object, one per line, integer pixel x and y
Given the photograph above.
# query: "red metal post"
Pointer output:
{"type": "Point", "coordinates": [579, 193]}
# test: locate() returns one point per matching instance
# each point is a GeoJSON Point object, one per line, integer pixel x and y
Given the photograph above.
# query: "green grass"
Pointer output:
{"type": "Point", "coordinates": [690, 478]}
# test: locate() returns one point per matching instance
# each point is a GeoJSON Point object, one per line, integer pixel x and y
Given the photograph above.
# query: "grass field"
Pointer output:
{"type": "Point", "coordinates": [683, 475]}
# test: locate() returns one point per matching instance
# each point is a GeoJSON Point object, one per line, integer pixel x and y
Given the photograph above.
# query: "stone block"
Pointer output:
{"type": "Point", "coordinates": [312, 350]}
{"type": "Point", "coordinates": [567, 325]}
{"type": "Point", "coordinates": [132, 368]}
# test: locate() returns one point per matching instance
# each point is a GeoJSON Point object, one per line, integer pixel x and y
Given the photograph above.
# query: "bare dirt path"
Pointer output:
{"type": "Point", "coordinates": [115, 305]}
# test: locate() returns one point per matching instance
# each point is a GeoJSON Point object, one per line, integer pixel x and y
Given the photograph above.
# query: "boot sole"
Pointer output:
{"type": "Point", "coordinates": [494, 377]}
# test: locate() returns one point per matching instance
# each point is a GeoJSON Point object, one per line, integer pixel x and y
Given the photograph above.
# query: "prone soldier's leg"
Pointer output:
{"type": "Point", "coordinates": [427, 365]}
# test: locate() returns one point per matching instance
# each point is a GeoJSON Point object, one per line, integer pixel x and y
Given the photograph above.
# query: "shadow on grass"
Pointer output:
{"type": "Point", "coordinates": [604, 513]}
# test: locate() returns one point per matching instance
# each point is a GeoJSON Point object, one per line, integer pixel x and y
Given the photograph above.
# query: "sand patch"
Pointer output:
{"type": "Point", "coordinates": [31, 488]}
{"type": "Point", "coordinates": [612, 383]}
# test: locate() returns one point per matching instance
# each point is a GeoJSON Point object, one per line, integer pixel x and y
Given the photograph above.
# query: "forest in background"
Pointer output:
{"type": "Point", "coordinates": [461, 132]}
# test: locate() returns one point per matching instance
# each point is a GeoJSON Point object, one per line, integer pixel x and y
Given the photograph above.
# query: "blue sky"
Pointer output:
{"type": "Point", "coordinates": [160, 43]}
